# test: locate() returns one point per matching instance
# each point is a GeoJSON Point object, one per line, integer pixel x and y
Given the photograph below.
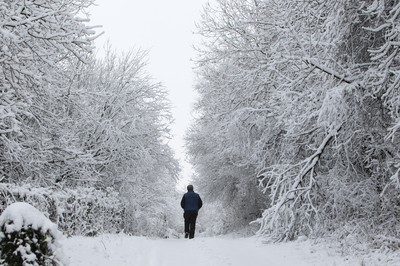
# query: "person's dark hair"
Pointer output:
{"type": "Point", "coordinates": [190, 187]}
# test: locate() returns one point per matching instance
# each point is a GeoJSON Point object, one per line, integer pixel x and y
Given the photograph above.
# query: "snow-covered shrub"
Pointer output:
{"type": "Point", "coordinates": [80, 211]}
{"type": "Point", "coordinates": [27, 237]}
{"type": "Point", "coordinates": [210, 221]}
{"type": "Point", "coordinates": [149, 215]}
{"type": "Point", "coordinates": [87, 211]}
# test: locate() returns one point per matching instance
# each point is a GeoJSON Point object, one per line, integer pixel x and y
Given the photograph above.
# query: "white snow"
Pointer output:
{"type": "Point", "coordinates": [120, 250]}
{"type": "Point", "coordinates": [21, 215]}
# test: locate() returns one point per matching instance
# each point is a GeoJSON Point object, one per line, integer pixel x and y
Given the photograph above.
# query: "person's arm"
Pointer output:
{"type": "Point", "coordinates": [183, 202]}
{"type": "Point", "coordinates": [200, 203]}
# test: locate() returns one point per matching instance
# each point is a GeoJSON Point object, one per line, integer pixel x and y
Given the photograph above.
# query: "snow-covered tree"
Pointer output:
{"type": "Point", "coordinates": [70, 121]}
{"type": "Point", "coordinates": [40, 41]}
{"type": "Point", "coordinates": [122, 131]}
{"type": "Point", "coordinates": [302, 95]}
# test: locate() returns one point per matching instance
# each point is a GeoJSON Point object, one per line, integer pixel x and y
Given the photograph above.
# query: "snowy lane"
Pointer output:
{"type": "Point", "coordinates": [119, 250]}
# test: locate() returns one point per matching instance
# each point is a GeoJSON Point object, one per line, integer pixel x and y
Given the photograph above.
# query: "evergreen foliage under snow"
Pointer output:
{"type": "Point", "coordinates": [27, 237]}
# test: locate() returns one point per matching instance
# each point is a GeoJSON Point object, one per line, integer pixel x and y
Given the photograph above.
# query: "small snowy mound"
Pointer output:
{"type": "Point", "coordinates": [27, 237]}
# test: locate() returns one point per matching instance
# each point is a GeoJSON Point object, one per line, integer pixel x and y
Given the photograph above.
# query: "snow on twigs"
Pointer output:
{"type": "Point", "coordinates": [334, 106]}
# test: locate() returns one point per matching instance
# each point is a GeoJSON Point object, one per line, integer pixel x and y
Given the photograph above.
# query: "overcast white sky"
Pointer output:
{"type": "Point", "coordinates": [164, 28]}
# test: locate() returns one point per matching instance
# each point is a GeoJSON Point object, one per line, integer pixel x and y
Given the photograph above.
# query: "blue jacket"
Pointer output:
{"type": "Point", "coordinates": [191, 202]}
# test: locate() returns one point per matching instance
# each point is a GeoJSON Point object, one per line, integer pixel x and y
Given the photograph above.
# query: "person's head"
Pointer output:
{"type": "Point", "coordinates": [190, 187]}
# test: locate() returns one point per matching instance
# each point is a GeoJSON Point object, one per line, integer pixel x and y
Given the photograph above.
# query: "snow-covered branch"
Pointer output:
{"type": "Point", "coordinates": [331, 72]}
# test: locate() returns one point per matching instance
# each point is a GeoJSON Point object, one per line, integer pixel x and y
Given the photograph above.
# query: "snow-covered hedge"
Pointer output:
{"type": "Point", "coordinates": [27, 237]}
{"type": "Point", "coordinates": [81, 211]}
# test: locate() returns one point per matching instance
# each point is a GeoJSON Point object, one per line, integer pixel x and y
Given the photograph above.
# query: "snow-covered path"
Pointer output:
{"type": "Point", "coordinates": [119, 250]}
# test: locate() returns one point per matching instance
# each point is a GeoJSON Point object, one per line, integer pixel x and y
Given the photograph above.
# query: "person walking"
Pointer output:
{"type": "Point", "coordinates": [190, 203]}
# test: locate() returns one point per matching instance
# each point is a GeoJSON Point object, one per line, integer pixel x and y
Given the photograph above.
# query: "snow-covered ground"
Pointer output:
{"type": "Point", "coordinates": [119, 250]}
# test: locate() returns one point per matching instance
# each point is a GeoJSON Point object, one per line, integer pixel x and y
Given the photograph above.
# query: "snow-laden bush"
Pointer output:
{"type": "Point", "coordinates": [149, 215]}
{"type": "Point", "coordinates": [80, 211]}
{"type": "Point", "coordinates": [27, 237]}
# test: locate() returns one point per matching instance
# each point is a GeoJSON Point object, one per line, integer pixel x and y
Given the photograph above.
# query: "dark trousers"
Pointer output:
{"type": "Point", "coordinates": [190, 223]}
